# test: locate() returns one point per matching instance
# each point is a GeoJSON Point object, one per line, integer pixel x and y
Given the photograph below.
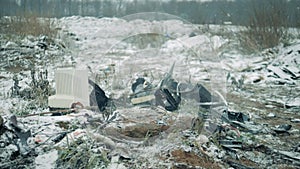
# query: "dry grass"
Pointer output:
{"type": "Point", "coordinates": [28, 24]}
{"type": "Point", "coordinates": [267, 26]}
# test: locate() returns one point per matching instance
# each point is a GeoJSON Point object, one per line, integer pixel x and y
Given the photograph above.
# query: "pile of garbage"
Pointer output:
{"type": "Point", "coordinates": [15, 150]}
{"type": "Point", "coordinates": [125, 138]}
{"type": "Point", "coordinates": [21, 55]}
{"type": "Point", "coordinates": [285, 67]}
{"type": "Point", "coordinates": [169, 124]}
{"type": "Point", "coordinates": [25, 72]}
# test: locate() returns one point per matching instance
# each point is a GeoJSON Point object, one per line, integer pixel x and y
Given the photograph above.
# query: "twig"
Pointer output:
{"type": "Point", "coordinates": [51, 112]}
{"type": "Point", "coordinates": [63, 112]}
{"type": "Point", "coordinates": [64, 132]}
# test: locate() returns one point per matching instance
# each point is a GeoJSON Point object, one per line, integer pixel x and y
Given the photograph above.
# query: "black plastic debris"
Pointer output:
{"type": "Point", "coordinates": [137, 86]}
{"type": "Point", "coordinates": [1, 121]}
{"type": "Point", "coordinates": [168, 99]}
{"type": "Point", "coordinates": [168, 95]}
{"type": "Point", "coordinates": [229, 116]}
{"type": "Point", "coordinates": [283, 128]}
{"type": "Point", "coordinates": [98, 97]}
{"type": "Point", "coordinates": [142, 91]}
{"type": "Point", "coordinates": [59, 137]}
{"type": "Point", "coordinates": [15, 151]}
{"type": "Point", "coordinates": [229, 144]}
{"type": "Point", "coordinates": [242, 122]}
{"type": "Point", "coordinates": [141, 85]}
{"type": "Point", "coordinates": [192, 34]}
{"type": "Point", "coordinates": [21, 133]}
{"type": "Point", "coordinates": [197, 92]}
{"type": "Point", "coordinates": [297, 148]}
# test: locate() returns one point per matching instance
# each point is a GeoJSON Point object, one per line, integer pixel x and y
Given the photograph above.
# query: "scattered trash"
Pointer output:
{"type": "Point", "coordinates": [291, 156]}
{"type": "Point", "coordinates": [280, 73]}
{"type": "Point", "coordinates": [198, 93]}
{"type": "Point", "coordinates": [295, 120]}
{"type": "Point", "coordinates": [95, 133]}
{"type": "Point", "coordinates": [230, 144]}
{"type": "Point", "coordinates": [167, 95]}
{"type": "Point", "coordinates": [229, 116]}
{"type": "Point", "coordinates": [142, 91]}
{"type": "Point", "coordinates": [283, 128]}
{"type": "Point", "coordinates": [271, 115]}
{"type": "Point", "coordinates": [98, 98]}
{"type": "Point", "coordinates": [1, 121]}
{"type": "Point", "coordinates": [13, 143]}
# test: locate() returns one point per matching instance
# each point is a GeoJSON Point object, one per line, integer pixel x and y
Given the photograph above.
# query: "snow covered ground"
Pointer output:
{"type": "Point", "coordinates": [117, 51]}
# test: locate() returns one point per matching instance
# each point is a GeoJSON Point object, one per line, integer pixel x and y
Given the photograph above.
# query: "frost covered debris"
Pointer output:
{"type": "Point", "coordinates": [26, 70]}
{"type": "Point", "coordinates": [261, 129]}
{"type": "Point", "coordinates": [255, 92]}
{"type": "Point", "coordinates": [277, 69]}
{"type": "Point", "coordinates": [26, 81]}
{"type": "Point", "coordinates": [15, 150]}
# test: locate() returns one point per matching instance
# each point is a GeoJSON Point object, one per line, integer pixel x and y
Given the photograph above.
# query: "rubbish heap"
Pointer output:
{"type": "Point", "coordinates": [122, 137]}
{"type": "Point", "coordinates": [14, 144]}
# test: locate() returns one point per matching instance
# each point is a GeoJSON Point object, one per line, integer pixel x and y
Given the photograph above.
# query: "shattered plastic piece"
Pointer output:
{"type": "Point", "coordinates": [198, 93]}
{"type": "Point", "coordinates": [168, 95]}
{"type": "Point", "coordinates": [13, 122]}
{"type": "Point", "coordinates": [292, 71]}
{"type": "Point", "coordinates": [278, 72]}
{"type": "Point", "coordinates": [137, 86]}
{"type": "Point", "coordinates": [98, 97]}
{"type": "Point", "coordinates": [168, 100]}
{"type": "Point", "coordinates": [24, 135]}
{"type": "Point", "coordinates": [295, 120]}
{"type": "Point", "coordinates": [249, 127]}
{"type": "Point", "coordinates": [21, 133]}
{"type": "Point", "coordinates": [141, 91]}
{"type": "Point", "coordinates": [1, 121]}
{"type": "Point", "coordinates": [282, 128]}
{"type": "Point", "coordinates": [59, 137]}
{"type": "Point", "coordinates": [235, 116]}
{"type": "Point", "coordinates": [173, 100]}
{"type": "Point", "coordinates": [271, 115]}
{"type": "Point", "coordinates": [71, 137]}
{"type": "Point", "coordinates": [292, 155]}
{"type": "Point", "coordinates": [231, 143]}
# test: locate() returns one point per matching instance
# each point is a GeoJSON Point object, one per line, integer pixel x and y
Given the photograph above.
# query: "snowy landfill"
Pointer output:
{"type": "Point", "coordinates": [227, 109]}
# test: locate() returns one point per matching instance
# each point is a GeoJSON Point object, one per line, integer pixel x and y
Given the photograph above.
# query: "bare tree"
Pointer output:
{"type": "Point", "coordinates": [267, 25]}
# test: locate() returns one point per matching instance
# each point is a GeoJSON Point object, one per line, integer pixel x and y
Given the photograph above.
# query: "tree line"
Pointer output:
{"type": "Point", "coordinates": [213, 12]}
